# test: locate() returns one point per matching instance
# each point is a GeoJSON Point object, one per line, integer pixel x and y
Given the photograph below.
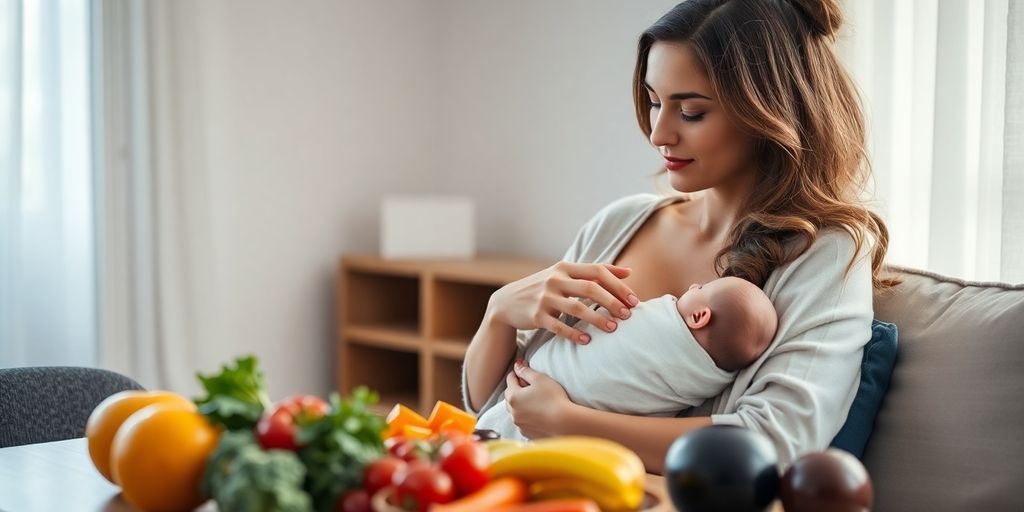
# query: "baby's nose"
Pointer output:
{"type": "Point", "coordinates": [692, 286]}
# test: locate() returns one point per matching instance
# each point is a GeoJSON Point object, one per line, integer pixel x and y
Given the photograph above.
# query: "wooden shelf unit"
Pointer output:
{"type": "Point", "coordinates": [404, 325]}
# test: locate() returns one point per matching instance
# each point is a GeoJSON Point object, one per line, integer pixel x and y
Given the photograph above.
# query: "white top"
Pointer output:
{"type": "Point", "coordinates": [650, 365]}
{"type": "Point", "coordinates": [799, 391]}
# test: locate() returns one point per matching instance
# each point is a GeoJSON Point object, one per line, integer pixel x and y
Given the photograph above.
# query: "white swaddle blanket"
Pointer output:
{"type": "Point", "coordinates": [651, 365]}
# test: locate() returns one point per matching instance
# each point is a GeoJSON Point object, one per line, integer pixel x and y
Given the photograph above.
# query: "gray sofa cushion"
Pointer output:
{"type": "Point", "coordinates": [949, 435]}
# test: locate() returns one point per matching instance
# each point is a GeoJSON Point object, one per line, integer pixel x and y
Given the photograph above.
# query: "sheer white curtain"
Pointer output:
{"type": "Point", "coordinates": [934, 75]}
{"type": "Point", "coordinates": [1013, 148]}
{"type": "Point", "coordinates": [153, 219]}
{"type": "Point", "coordinates": [47, 264]}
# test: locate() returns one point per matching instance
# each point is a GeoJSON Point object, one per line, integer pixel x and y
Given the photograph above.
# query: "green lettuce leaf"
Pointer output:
{"type": "Point", "coordinates": [236, 397]}
{"type": "Point", "coordinates": [338, 446]}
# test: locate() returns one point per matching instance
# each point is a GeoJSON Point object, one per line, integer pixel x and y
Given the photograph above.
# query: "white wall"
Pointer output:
{"type": "Point", "coordinates": [538, 114]}
{"type": "Point", "coordinates": [299, 116]}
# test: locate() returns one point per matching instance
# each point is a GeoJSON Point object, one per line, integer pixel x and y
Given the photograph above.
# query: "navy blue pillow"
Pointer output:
{"type": "Point", "coordinates": [875, 371]}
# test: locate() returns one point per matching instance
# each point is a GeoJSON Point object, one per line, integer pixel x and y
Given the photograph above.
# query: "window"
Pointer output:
{"type": "Point", "coordinates": [47, 263]}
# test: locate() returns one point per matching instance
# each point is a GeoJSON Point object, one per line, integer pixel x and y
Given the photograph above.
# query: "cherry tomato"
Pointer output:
{"type": "Point", "coordinates": [449, 437]}
{"type": "Point", "coordinates": [399, 475]}
{"type": "Point", "coordinates": [467, 463]}
{"type": "Point", "coordinates": [448, 443]}
{"type": "Point", "coordinates": [356, 500]}
{"type": "Point", "coordinates": [392, 443]}
{"type": "Point", "coordinates": [423, 487]}
{"type": "Point", "coordinates": [405, 448]}
{"type": "Point", "coordinates": [276, 429]}
{"type": "Point", "coordinates": [381, 472]}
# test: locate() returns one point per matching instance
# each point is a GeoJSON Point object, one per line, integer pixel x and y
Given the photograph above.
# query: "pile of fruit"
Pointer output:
{"type": "Point", "coordinates": [725, 467]}
{"type": "Point", "coordinates": [441, 464]}
{"type": "Point", "coordinates": [167, 452]}
{"type": "Point", "coordinates": [303, 453]}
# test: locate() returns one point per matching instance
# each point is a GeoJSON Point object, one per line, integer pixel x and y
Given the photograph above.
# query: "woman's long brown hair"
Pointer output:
{"type": "Point", "coordinates": [774, 71]}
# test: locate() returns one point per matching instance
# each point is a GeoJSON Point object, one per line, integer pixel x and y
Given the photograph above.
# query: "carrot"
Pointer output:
{"type": "Point", "coordinates": [496, 494]}
{"type": "Point", "coordinates": [569, 505]}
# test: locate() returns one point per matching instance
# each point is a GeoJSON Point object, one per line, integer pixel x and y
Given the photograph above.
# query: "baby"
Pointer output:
{"type": "Point", "coordinates": [670, 354]}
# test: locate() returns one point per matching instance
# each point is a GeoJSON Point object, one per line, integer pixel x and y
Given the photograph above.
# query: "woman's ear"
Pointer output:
{"type": "Point", "coordinates": [699, 318]}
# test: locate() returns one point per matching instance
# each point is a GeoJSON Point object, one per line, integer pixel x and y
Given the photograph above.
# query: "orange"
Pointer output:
{"type": "Point", "coordinates": [159, 455]}
{"type": "Point", "coordinates": [108, 416]}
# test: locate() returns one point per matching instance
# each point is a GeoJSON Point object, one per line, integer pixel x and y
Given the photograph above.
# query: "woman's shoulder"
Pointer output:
{"type": "Point", "coordinates": [837, 243]}
{"type": "Point", "coordinates": [624, 210]}
{"type": "Point", "coordinates": [830, 260]}
{"type": "Point", "coordinates": [630, 203]}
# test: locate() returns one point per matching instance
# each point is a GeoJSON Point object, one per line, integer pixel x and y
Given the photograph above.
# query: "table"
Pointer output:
{"type": "Point", "coordinates": [54, 476]}
{"type": "Point", "coordinates": [58, 476]}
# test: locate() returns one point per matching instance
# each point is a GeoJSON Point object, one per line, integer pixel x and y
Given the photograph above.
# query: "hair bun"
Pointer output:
{"type": "Point", "coordinates": [825, 15]}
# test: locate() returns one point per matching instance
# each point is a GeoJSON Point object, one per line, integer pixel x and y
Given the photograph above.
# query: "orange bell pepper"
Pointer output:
{"type": "Point", "coordinates": [401, 417]}
{"type": "Point", "coordinates": [445, 416]}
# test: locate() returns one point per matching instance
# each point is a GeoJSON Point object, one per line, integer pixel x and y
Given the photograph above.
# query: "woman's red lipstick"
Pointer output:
{"type": "Point", "coordinates": [674, 164]}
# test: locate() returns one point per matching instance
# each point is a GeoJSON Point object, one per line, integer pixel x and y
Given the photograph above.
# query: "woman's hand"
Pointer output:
{"type": "Point", "coordinates": [535, 401]}
{"type": "Point", "coordinates": [536, 301]}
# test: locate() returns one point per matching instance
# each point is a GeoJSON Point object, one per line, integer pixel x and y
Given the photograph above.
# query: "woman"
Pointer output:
{"type": "Point", "coordinates": [750, 106]}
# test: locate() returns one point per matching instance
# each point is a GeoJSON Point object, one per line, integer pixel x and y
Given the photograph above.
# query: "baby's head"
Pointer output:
{"type": "Point", "coordinates": [731, 318]}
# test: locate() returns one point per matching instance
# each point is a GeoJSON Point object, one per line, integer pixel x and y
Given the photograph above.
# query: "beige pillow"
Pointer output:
{"type": "Point", "coordinates": [950, 434]}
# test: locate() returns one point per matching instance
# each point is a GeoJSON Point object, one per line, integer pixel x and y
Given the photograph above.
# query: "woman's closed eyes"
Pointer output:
{"type": "Point", "coordinates": [692, 119]}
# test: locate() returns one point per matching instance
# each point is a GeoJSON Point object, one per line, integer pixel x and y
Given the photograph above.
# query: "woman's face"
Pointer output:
{"type": "Point", "coordinates": [694, 126]}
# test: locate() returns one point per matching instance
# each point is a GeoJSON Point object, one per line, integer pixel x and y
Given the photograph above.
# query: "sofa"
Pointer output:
{"type": "Point", "coordinates": [947, 436]}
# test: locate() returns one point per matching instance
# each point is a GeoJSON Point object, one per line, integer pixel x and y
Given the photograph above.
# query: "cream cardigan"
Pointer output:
{"type": "Point", "coordinates": [799, 391]}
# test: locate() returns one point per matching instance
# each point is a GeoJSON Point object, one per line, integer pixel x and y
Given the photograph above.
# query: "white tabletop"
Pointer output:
{"type": "Point", "coordinates": [57, 476]}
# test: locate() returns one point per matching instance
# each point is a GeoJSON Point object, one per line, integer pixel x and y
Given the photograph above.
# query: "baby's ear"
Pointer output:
{"type": "Point", "coordinates": [699, 318]}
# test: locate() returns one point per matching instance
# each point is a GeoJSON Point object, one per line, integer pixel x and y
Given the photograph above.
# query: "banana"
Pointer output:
{"type": "Point", "coordinates": [602, 464]}
{"type": "Point", "coordinates": [609, 449]}
{"type": "Point", "coordinates": [499, 446]}
{"type": "Point", "coordinates": [563, 488]}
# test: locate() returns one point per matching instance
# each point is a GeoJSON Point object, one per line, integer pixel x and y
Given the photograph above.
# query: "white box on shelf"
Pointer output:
{"type": "Point", "coordinates": [427, 226]}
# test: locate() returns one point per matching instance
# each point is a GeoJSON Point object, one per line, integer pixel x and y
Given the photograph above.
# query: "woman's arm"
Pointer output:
{"type": "Point", "coordinates": [487, 359]}
{"type": "Point", "coordinates": [800, 394]}
{"type": "Point", "coordinates": [491, 346]}
{"type": "Point", "coordinates": [541, 408]}
{"type": "Point", "coordinates": [649, 437]}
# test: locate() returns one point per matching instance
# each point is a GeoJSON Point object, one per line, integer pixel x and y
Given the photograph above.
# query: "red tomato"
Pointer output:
{"type": "Point", "coordinates": [356, 500]}
{"type": "Point", "coordinates": [467, 463]}
{"type": "Point", "coordinates": [381, 472]}
{"type": "Point", "coordinates": [399, 475]}
{"type": "Point", "coordinates": [392, 442]}
{"type": "Point", "coordinates": [424, 486]}
{"type": "Point", "coordinates": [276, 429]}
{"type": "Point", "coordinates": [448, 443]}
{"type": "Point", "coordinates": [404, 448]}
{"type": "Point", "coordinates": [449, 438]}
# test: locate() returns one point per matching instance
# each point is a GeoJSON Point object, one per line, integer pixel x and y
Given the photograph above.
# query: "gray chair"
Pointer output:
{"type": "Point", "coordinates": [52, 403]}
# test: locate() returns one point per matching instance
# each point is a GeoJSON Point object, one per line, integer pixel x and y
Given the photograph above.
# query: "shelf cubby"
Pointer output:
{"type": "Point", "coordinates": [459, 309]}
{"type": "Point", "coordinates": [404, 325]}
{"type": "Point", "coordinates": [383, 301]}
{"type": "Point", "coordinates": [398, 384]}
{"type": "Point", "coordinates": [447, 379]}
